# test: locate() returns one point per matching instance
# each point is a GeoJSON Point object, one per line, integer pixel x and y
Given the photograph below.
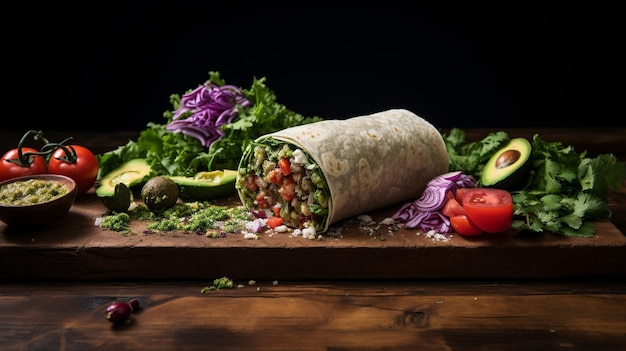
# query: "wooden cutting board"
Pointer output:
{"type": "Point", "coordinates": [74, 248]}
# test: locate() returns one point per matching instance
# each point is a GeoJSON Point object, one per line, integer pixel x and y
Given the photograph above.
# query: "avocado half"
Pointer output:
{"type": "Point", "coordinates": [115, 188]}
{"type": "Point", "coordinates": [509, 167]}
{"type": "Point", "coordinates": [206, 185]}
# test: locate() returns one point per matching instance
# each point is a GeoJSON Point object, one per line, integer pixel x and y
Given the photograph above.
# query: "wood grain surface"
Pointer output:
{"type": "Point", "coordinates": [278, 315]}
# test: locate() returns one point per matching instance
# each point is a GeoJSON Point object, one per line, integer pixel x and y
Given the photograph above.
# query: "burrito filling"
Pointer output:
{"type": "Point", "coordinates": [279, 179]}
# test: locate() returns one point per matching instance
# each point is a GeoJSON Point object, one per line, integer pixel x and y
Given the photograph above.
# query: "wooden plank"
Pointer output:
{"type": "Point", "coordinates": [76, 249]}
{"type": "Point", "coordinates": [317, 316]}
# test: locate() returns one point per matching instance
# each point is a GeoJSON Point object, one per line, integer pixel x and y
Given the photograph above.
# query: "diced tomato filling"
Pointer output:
{"type": "Point", "coordinates": [274, 222]}
{"type": "Point", "coordinates": [251, 184]}
{"type": "Point", "coordinates": [261, 202]}
{"type": "Point", "coordinates": [285, 166]}
{"type": "Point", "coordinates": [288, 189]}
{"type": "Point", "coordinates": [276, 176]}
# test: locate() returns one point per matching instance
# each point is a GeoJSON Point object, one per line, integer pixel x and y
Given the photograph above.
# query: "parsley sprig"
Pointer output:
{"type": "Point", "coordinates": [566, 192]}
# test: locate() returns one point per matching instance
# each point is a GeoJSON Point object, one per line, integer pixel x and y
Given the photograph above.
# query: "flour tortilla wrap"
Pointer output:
{"type": "Point", "coordinates": [368, 162]}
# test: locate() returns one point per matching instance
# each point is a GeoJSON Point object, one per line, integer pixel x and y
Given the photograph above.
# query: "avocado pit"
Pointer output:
{"type": "Point", "coordinates": [507, 158]}
{"type": "Point", "coordinates": [509, 167]}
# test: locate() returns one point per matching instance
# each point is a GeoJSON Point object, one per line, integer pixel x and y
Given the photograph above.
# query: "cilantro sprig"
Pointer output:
{"type": "Point", "coordinates": [566, 192]}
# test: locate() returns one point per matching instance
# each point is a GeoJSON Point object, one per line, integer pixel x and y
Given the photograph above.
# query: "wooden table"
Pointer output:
{"type": "Point", "coordinates": [376, 313]}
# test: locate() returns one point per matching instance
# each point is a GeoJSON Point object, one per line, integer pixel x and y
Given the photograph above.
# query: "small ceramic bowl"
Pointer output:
{"type": "Point", "coordinates": [39, 213]}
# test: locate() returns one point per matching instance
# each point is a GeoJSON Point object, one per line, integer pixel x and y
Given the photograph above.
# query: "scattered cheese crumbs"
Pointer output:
{"type": "Point", "coordinates": [309, 233]}
{"type": "Point", "coordinates": [240, 286]}
{"type": "Point", "coordinates": [388, 221]}
{"type": "Point", "coordinates": [334, 231]}
{"type": "Point", "coordinates": [281, 229]}
{"type": "Point", "coordinates": [251, 282]}
{"type": "Point", "coordinates": [364, 218]}
{"type": "Point", "coordinates": [431, 234]}
{"type": "Point", "coordinates": [275, 282]}
{"type": "Point", "coordinates": [250, 236]}
{"type": "Point", "coordinates": [98, 221]}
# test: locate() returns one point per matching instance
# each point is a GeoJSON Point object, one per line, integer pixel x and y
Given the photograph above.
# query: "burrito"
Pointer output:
{"type": "Point", "coordinates": [317, 174]}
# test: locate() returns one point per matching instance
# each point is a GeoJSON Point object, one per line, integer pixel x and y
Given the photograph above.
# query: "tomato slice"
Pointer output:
{"type": "Point", "coordinates": [460, 192]}
{"type": "Point", "coordinates": [464, 226]}
{"type": "Point", "coordinates": [453, 208]}
{"type": "Point", "coordinates": [490, 209]}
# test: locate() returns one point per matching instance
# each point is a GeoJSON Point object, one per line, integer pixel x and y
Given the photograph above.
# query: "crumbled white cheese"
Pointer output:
{"type": "Point", "coordinates": [281, 229]}
{"type": "Point", "coordinates": [299, 157]}
{"type": "Point", "coordinates": [364, 218]}
{"type": "Point", "coordinates": [431, 234]}
{"type": "Point", "coordinates": [251, 236]}
{"type": "Point", "coordinates": [309, 233]}
{"type": "Point", "coordinates": [388, 221]}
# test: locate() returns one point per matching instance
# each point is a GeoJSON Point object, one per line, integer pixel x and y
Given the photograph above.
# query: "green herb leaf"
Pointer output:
{"type": "Point", "coordinates": [566, 192]}
{"type": "Point", "coordinates": [171, 153]}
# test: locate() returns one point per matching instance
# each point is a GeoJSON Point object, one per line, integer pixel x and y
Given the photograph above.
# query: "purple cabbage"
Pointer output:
{"type": "Point", "coordinates": [204, 110]}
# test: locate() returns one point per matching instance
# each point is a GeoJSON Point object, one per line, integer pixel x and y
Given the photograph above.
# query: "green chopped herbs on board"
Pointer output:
{"type": "Point", "coordinates": [197, 217]}
{"type": "Point", "coordinates": [219, 283]}
{"type": "Point", "coordinates": [566, 192]}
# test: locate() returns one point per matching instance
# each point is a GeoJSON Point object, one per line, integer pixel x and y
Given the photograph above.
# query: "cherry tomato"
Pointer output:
{"type": "Point", "coordinates": [464, 226]}
{"type": "Point", "coordinates": [78, 163]}
{"type": "Point", "coordinates": [13, 164]}
{"type": "Point", "coordinates": [490, 209]}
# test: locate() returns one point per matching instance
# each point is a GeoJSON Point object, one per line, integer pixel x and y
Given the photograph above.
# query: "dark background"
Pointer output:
{"type": "Point", "coordinates": [113, 65]}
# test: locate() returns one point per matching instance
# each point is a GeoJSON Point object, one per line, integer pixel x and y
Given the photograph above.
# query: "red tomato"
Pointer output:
{"type": "Point", "coordinates": [453, 208]}
{"type": "Point", "coordinates": [261, 201]}
{"type": "Point", "coordinates": [251, 184]}
{"type": "Point", "coordinates": [12, 167]}
{"type": "Point", "coordinates": [464, 226]}
{"type": "Point", "coordinates": [285, 166]}
{"type": "Point", "coordinates": [81, 165]}
{"type": "Point", "coordinates": [276, 210]}
{"type": "Point", "coordinates": [288, 189]}
{"type": "Point", "coordinates": [460, 192]}
{"type": "Point", "coordinates": [490, 209]}
{"type": "Point", "coordinates": [275, 176]}
{"type": "Point", "coordinates": [274, 222]}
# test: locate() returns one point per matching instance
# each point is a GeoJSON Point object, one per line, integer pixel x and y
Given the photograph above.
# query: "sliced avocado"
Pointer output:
{"type": "Point", "coordinates": [159, 193]}
{"type": "Point", "coordinates": [206, 185]}
{"type": "Point", "coordinates": [131, 173]}
{"type": "Point", "coordinates": [121, 199]}
{"type": "Point", "coordinates": [509, 167]}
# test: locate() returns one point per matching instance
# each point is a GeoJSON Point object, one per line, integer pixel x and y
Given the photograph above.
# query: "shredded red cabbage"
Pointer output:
{"type": "Point", "coordinates": [425, 212]}
{"type": "Point", "coordinates": [204, 110]}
